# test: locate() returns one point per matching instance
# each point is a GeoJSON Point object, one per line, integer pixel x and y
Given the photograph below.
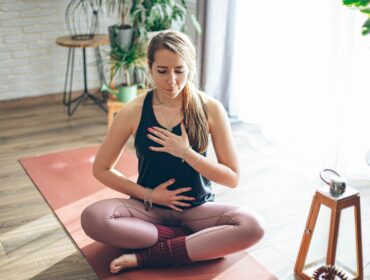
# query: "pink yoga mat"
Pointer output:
{"type": "Point", "coordinates": [66, 182]}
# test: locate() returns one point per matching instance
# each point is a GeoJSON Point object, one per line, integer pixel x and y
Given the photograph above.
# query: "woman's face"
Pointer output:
{"type": "Point", "coordinates": [170, 73]}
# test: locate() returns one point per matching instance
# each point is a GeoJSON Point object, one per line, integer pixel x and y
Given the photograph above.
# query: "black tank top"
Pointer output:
{"type": "Point", "coordinates": [156, 168]}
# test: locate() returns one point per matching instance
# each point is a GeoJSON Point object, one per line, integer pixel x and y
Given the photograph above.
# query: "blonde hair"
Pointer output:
{"type": "Point", "coordinates": [193, 105]}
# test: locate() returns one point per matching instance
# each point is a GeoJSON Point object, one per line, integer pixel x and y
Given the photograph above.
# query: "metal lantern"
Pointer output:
{"type": "Point", "coordinates": [82, 21]}
{"type": "Point", "coordinates": [332, 237]}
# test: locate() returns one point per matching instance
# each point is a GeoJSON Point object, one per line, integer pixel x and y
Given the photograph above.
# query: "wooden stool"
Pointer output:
{"type": "Point", "coordinates": [115, 106]}
{"type": "Point", "coordinates": [322, 197]}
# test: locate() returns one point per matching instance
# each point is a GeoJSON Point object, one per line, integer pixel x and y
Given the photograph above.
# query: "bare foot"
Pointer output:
{"type": "Point", "coordinates": [122, 262]}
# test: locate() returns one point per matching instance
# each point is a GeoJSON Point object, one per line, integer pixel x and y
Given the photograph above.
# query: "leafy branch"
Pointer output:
{"type": "Point", "coordinates": [364, 7]}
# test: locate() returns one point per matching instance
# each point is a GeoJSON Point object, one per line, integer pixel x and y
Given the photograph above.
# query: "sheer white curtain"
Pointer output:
{"type": "Point", "coordinates": [301, 75]}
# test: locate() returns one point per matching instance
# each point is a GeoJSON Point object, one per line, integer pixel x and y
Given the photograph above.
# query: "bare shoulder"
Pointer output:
{"type": "Point", "coordinates": [129, 116]}
{"type": "Point", "coordinates": [212, 103]}
{"type": "Point", "coordinates": [215, 109]}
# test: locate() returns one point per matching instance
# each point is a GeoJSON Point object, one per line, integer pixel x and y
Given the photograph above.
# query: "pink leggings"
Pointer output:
{"type": "Point", "coordinates": [218, 229]}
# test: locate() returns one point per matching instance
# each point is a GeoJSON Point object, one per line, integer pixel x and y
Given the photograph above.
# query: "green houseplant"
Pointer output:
{"type": "Point", "coordinates": [364, 7]}
{"type": "Point", "coordinates": [158, 15]}
{"type": "Point", "coordinates": [127, 66]}
{"type": "Point", "coordinates": [122, 33]}
{"type": "Point", "coordinates": [126, 55]}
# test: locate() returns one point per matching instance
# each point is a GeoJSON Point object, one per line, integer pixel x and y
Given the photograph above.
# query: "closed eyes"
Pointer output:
{"type": "Point", "coordinates": [164, 72]}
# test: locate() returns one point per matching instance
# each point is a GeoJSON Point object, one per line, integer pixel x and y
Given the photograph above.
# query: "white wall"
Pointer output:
{"type": "Point", "coordinates": [31, 64]}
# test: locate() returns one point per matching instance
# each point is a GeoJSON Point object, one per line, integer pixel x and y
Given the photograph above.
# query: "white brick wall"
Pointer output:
{"type": "Point", "coordinates": [31, 64]}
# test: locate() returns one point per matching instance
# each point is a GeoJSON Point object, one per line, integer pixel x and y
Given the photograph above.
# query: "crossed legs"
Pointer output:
{"type": "Point", "coordinates": [218, 229]}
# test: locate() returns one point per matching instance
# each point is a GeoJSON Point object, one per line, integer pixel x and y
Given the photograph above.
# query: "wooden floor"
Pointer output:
{"type": "Point", "coordinates": [33, 244]}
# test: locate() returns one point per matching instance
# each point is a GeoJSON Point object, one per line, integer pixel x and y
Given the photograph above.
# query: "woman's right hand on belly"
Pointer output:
{"type": "Point", "coordinates": [163, 196]}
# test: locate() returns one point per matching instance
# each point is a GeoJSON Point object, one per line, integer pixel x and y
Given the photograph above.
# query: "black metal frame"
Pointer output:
{"type": "Point", "coordinates": [67, 95]}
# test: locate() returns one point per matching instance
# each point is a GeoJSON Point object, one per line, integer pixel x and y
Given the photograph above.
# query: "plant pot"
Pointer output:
{"type": "Point", "coordinates": [127, 93]}
{"type": "Point", "coordinates": [121, 35]}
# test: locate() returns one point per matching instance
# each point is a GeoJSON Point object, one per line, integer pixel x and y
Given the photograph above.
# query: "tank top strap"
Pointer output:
{"type": "Point", "coordinates": [147, 111]}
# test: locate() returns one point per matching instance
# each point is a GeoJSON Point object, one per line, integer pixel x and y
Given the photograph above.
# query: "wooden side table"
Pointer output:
{"type": "Point", "coordinates": [72, 44]}
{"type": "Point", "coordinates": [115, 106]}
{"type": "Point", "coordinates": [349, 201]}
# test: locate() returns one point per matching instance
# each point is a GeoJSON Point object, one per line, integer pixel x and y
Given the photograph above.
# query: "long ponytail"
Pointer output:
{"type": "Point", "coordinates": [195, 118]}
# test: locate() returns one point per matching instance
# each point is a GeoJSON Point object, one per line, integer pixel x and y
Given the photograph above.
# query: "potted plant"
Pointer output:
{"type": "Point", "coordinates": [159, 15]}
{"type": "Point", "coordinates": [127, 67]}
{"type": "Point", "coordinates": [122, 33]}
{"type": "Point", "coordinates": [364, 7]}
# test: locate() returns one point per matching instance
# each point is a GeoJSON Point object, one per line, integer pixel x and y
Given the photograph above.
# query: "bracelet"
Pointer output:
{"type": "Point", "coordinates": [184, 153]}
{"type": "Point", "coordinates": [145, 199]}
{"type": "Point", "coordinates": [148, 198]}
{"type": "Point", "coordinates": [196, 161]}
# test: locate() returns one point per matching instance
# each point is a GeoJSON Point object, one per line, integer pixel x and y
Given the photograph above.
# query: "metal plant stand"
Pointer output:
{"type": "Point", "coordinates": [72, 44]}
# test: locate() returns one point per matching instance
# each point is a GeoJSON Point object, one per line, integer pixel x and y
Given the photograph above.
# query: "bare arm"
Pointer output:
{"type": "Point", "coordinates": [111, 150]}
{"type": "Point", "coordinates": [226, 170]}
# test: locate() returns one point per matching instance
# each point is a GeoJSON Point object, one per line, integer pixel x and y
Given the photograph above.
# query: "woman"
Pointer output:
{"type": "Point", "coordinates": [171, 217]}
